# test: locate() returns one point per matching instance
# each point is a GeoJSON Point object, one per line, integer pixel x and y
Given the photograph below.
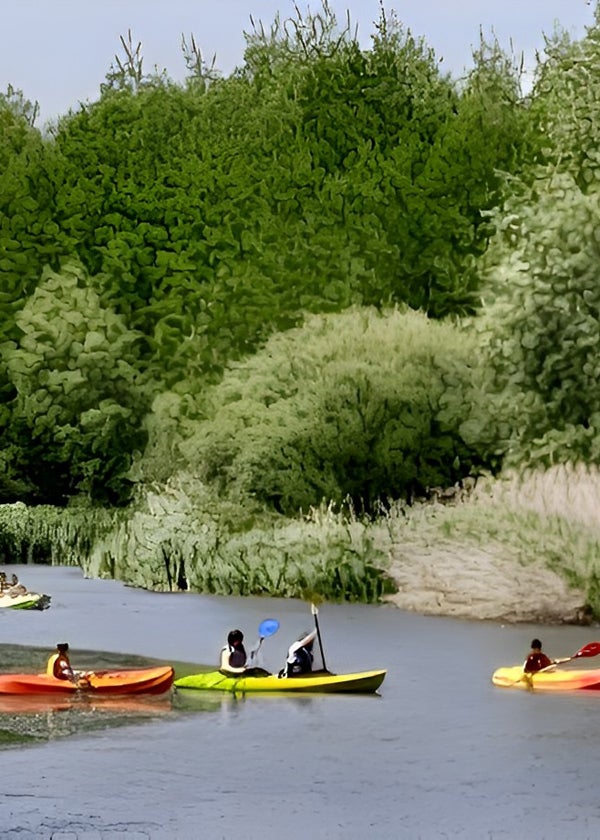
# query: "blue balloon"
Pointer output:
{"type": "Point", "coordinates": [268, 627]}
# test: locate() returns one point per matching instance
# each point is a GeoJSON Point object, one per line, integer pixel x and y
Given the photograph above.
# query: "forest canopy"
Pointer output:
{"type": "Point", "coordinates": [336, 274]}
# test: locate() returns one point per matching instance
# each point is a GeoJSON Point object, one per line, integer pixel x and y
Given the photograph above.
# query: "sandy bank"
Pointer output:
{"type": "Point", "coordinates": [481, 584]}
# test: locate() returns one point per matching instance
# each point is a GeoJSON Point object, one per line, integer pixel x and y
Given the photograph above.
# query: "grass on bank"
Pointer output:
{"type": "Point", "coordinates": [175, 537]}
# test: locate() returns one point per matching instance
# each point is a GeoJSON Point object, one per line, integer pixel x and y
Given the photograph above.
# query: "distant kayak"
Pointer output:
{"type": "Point", "coordinates": [134, 681]}
{"type": "Point", "coordinates": [587, 679]}
{"type": "Point", "coordinates": [28, 601]}
{"type": "Point", "coordinates": [316, 682]}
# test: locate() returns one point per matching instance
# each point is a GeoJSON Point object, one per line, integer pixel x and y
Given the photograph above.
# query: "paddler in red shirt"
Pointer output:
{"type": "Point", "coordinates": [536, 659]}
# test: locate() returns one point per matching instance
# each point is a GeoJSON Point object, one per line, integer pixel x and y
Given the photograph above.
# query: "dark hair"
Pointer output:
{"type": "Point", "coordinates": [536, 644]}
{"type": "Point", "coordinates": [235, 636]}
{"type": "Point", "coordinates": [63, 647]}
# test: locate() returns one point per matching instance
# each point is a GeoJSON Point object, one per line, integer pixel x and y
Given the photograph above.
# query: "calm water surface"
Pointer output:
{"type": "Point", "coordinates": [440, 754]}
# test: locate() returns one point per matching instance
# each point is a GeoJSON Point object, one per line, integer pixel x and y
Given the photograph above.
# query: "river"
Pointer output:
{"type": "Point", "coordinates": [440, 753]}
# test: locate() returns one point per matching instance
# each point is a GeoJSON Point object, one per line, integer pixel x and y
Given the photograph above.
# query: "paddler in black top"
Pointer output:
{"type": "Point", "coordinates": [536, 659]}
{"type": "Point", "coordinates": [233, 658]}
{"type": "Point", "coordinates": [300, 655]}
{"type": "Point", "coordinates": [233, 655]}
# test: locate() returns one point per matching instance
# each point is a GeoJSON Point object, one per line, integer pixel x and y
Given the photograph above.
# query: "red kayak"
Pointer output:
{"type": "Point", "coordinates": [133, 681]}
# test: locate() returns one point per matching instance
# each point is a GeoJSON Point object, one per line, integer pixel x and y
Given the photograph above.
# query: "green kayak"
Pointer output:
{"type": "Point", "coordinates": [28, 601]}
{"type": "Point", "coordinates": [316, 682]}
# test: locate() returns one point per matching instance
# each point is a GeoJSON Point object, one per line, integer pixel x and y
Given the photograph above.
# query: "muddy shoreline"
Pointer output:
{"type": "Point", "coordinates": [482, 584]}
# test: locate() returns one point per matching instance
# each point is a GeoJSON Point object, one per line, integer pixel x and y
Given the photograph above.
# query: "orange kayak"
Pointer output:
{"type": "Point", "coordinates": [134, 681]}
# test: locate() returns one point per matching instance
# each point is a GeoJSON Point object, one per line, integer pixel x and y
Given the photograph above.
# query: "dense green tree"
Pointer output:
{"type": "Point", "coordinates": [213, 214]}
{"type": "Point", "coordinates": [542, 330]}
{"type": "Point", "coordinates": [79, 400]}
{"type": "Point", "coordinates": [541, 325]}
{"type": "Point", "coordinates": [355, 406]}
{"type": "Point", "coordinates": [565, 108]}
{"type": "Point", "coordinates": [368, 166]}
{"type": "Point", "coordinates": [22, 204]}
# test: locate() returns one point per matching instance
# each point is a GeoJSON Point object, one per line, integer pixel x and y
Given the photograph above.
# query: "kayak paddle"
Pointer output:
{"type": "Point", "coordinates": [268, 627]}
{"type": "Point", "coordinates": [591, 649]}
{"type": "Point", "coordinates": [314, 610]}
{"type": "Point", "coordinates": [265, 629]}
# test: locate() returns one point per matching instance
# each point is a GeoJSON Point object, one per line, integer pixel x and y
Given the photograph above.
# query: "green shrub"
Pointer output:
{"type": "Point", "coordinates": [358, 405]}
{"type": "Point", "coordinates": [76, 416]}
{"type": "Point", "coordinates": [540, 330]}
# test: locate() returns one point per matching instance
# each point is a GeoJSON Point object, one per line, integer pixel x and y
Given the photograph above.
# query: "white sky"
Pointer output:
{"type": "Point", "coordinates": [59, 51]}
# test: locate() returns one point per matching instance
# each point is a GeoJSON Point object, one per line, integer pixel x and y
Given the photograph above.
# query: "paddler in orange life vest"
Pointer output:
{"type": "Point", "coordinates": [59, 666]}
{"type": "Point", "coordinates": [536, 659]}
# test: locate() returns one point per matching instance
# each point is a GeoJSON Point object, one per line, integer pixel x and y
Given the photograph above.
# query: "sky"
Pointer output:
{"type": "Point", "coordinates": [59, 51]}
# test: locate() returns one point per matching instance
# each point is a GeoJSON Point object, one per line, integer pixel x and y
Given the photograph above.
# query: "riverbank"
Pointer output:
{"type": "Point", "coordinates": [485, 584]}
{"type": "Point", "coordinates": [521, 549]}
{"type": "Point", "coordinates": [513, 549]}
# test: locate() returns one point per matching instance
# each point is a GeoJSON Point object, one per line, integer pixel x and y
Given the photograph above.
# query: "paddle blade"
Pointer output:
{"type": "Point", "coordinates": [268, 627]}
{"type": "Point", "coordinates": [314, 598]}
{"type": "Point", "coordinates": [591, 649]}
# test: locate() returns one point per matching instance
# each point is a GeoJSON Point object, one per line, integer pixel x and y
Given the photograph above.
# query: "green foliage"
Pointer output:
{"type": "Point", "coordinates": [181, 535]}
{"type": "Point", "coordinates": [565, 107]}
{"type": "Point", "coordinates": [22, 191]}
{"type": "Point", "coordinates": [213, 214]}
{"type": "Point", "coordinates": [354, 405]}
{"type": "Point", "coordinates": [395, 165]}
{"type": "Point", "coordinates": [79, 398]}
{"type": "Point", "coordinates": [541, 322]}
{"type": "Point", "coordinates": [542, 328]}
{"type": "Point", "coordinates": [50, 534]}
{"type": "Point", "coordinates": [369, 168]}
{"type": "Point", "coordinates": [17, 117]}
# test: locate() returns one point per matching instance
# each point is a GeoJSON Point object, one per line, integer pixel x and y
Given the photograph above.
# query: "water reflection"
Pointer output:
{"type": "Point", "coordinates": [201, 701]}
{"type": "Point", "coordinates": [35, 704]}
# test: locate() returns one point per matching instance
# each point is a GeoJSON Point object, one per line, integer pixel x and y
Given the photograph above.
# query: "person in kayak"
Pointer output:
{"type": "Point", "coordinates": [300, 656]}
{"type": "Point", "coordinates": [16, 588]}
{"type": "Point", "coordinates": [59, 667]}
{"type": "Point", "coordinates": [233, 655]}
{"type": "Point", "coordinates": [536, 659]}
{"type": "Point", "coordinates": [234, 658]}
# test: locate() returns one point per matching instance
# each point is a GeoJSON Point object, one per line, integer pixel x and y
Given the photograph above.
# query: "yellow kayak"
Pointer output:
{"type": "Point", "coordinates": [317, 681]}
{"type": "Point", "coordinates": [587, 679]}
